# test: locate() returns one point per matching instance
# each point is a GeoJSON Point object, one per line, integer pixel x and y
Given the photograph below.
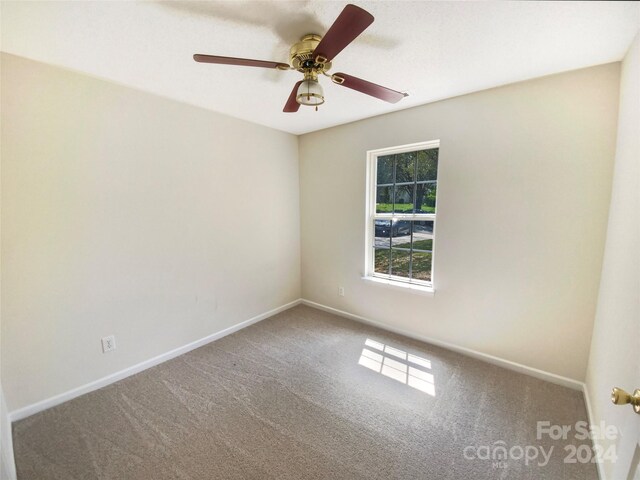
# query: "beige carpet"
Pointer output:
{"type": "Point", "coordinates": [305, 395]}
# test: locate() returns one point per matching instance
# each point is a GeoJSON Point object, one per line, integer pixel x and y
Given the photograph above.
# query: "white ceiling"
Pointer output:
{"type": "Point", "coordinates": [432, 50]}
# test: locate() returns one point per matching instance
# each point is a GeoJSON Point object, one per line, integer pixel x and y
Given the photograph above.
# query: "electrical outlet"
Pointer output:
{"type": "Point", "coordinates": [108, 343]}
{"type": "Point", "coordinates": [341, 291]}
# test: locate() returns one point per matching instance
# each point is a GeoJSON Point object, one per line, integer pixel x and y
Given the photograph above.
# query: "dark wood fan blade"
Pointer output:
{"type": "Point", "coordinates": [351, 22]}
{"type": "Point", "coordinates": [243, 62]}
{"type": "Point", "coordinates": [292, 105]}
{"type": "Point", "coordinates": [368, 88]}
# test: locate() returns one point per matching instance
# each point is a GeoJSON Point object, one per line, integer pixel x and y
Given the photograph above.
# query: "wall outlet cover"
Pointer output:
{"type": "Point", "coordinates": [108, 343]}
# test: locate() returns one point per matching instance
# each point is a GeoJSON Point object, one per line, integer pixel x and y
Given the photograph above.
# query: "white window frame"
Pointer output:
{"type": "Point", "coordinates": [371, 216]}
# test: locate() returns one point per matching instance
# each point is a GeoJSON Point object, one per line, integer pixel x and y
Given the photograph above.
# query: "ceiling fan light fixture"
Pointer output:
{"type": "Point", "coordinates": [310, 93]}
{"type": "Point", "coordinates": [312, 56]}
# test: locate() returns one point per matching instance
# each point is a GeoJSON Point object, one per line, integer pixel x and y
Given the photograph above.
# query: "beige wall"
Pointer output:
{"type": "Point", "coordinates": [124, 213]}
{"type": "Point", "coordinates": [615, 357]}
{"type": "Point", "coordinates": [525, 177]}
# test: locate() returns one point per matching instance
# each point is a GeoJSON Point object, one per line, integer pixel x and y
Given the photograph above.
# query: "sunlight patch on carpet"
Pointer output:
{"type": "Point", "coordinates": [399, 365]}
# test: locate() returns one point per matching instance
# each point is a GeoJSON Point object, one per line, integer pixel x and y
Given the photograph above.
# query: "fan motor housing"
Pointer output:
{"type": "Point", "coordinates": [302, 58]}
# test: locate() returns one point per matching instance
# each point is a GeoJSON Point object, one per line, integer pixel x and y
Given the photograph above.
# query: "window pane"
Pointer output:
{"type": "Point", "coordinates": [385, 169]}
{"type": "Point", "coordinates": [382, 234]}
{"type": "Point", "coordinates": [400, 263]}
{"type": "Point", "coordinates": [384, 199]}
{"type": "Point", "coordinates": [421, 267]}
{"type": "Point", "coordinates": [401, 234]}
{"type": "Point", "coordinates": [403, 199]}
{"type": "Point", "coordinates": [423, 235]}
{"type": "Point", "coordinates": [381, 260]}
{"type": "Point", "coordinates": [428, 164]}
{"type": "Point", "coordinates": [423, 245]}
{"type": "Point", "coordinates": [426, 197]}
{"type": "Point", "coordinates": [423, 229]}
{"type": "Point", "coordinates": [405, 164]}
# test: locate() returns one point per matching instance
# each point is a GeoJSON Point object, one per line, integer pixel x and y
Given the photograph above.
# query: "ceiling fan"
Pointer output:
{"type": "Point", "coordinates": [312, 57]}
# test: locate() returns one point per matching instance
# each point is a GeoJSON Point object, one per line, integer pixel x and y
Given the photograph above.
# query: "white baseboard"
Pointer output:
{"type": "Point", "coordinates": [29, 410]}
{"type": "Point", "coordinates": [595, 440]}
{"type": "Point", "coordinates": [501, 362]}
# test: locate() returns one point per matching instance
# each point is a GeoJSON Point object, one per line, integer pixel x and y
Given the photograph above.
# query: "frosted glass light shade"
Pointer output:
{"type": "Point", "coordinates": [310, 93]}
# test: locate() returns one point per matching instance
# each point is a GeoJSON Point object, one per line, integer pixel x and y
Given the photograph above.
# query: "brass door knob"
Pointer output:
{"type": "Point", "coordinates": [620, 397]}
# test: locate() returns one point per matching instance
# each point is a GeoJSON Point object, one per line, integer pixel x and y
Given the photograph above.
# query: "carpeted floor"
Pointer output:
{"type": "Point", "coordinates": [307, 395]}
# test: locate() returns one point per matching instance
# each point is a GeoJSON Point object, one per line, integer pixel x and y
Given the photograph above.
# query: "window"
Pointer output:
{"type": "Point", "coordinates": [401, 213]}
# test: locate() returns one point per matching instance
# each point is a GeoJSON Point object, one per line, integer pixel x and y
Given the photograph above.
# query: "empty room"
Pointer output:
{"type": "Point", "coordinates": [317, 240]}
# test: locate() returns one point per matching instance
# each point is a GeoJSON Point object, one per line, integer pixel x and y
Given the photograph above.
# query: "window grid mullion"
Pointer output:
{"type": "Point", "coordinates": [428, 217]}
{"type": "Point", "coordinates": [393, 188]}
{"type": "Point", "coordinates": [415, 202]}
{"type": "Point", "coordinates": [393, 209]}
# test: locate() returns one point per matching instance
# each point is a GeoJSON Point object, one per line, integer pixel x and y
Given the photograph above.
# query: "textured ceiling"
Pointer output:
{"type": "Point", "coordinates": [432, 50]}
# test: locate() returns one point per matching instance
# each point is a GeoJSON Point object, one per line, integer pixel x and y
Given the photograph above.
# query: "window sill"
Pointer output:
{"type": "Point", "coordinates": [407, 287]}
